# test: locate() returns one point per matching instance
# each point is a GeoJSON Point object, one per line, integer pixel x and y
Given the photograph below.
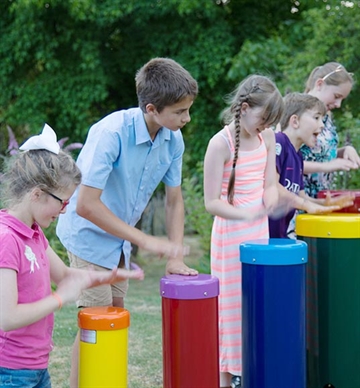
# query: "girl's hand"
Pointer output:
{"type": "Point", "coordinates": [351, 155]}
{"type": "Point", "coordinates": [280, 210]}
{"type": "Point", "coordinates": [97, 278]}
{"type": "Point", "coordinates": [271, 199]}
{"type": "Point", "coordinates": [77, 280]}
{"type": "Point", "coordinates": [341, 164]}
{"type": "Point", "coordinates": [315, 208]}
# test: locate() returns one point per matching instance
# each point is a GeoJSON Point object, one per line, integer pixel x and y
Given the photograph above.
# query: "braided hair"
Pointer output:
{"type": "Point", "coordinates": [258, 92]}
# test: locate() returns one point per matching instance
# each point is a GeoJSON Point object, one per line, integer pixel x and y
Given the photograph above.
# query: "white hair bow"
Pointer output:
{"type": "Point", "coordinates": [45, 141]}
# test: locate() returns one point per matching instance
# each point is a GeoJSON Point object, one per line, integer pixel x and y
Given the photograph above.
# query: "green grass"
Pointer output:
{"type": "Point", "coordinates": [64, 334]}
{"type": "Point", "coordinates": [145, 344]}
{"type": "Point", "coordinates": [145, 333]}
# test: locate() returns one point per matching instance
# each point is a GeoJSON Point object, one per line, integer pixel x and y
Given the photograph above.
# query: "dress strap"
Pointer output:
{"type": "Point", "coordinates": [227, 129]}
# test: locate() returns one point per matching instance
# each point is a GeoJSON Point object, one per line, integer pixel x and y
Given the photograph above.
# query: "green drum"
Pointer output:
{"type": "Point", "coordinates": [333, 298]}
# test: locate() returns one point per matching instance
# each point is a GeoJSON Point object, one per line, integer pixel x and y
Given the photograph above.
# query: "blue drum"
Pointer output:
{"type": "Point", "coordinates": [273, 313]}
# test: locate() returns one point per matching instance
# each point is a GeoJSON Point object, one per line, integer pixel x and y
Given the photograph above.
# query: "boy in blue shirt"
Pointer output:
{"type": "Point", "coordinates": [125, 157]}
{"type": "Point", "coordinates": [301, 122]}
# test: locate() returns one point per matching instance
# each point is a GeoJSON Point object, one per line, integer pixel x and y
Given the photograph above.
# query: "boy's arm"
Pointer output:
{"type": "Point", "coordinates": [338, 164]}
{"type": "Point", "coordinates": [90, 206]}
{"type": "Point", "coordinates": [271, 185]}
{"type": "Point", "coordinates": [340, 201]}
{"type": "Point", "coordinates": [289, 200]}
{"type": "Point", "coordinates": [174, 211]}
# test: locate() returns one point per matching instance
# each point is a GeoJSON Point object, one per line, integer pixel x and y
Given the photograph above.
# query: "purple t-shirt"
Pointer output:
{"type": "Point", "coordinates": [23, 249]}
{"type": "Point", "coordinates": [290, 167]}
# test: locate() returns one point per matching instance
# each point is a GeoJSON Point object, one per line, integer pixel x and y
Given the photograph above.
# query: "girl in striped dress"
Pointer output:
{"type": "Point", "coordinates": [240, 190]}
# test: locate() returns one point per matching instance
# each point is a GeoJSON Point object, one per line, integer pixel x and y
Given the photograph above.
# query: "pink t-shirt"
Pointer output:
{"type": "Point", "coordinates": [23, 249]}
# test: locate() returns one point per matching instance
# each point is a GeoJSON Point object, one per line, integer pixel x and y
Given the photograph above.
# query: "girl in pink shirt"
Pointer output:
{"type": "Point", "coordinates": [37, 186]}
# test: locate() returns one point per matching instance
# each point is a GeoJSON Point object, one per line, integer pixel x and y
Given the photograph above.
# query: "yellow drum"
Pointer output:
{"type": "Point", "coordinates": [103, 347]}
{"type": "Point", "coordinates": [333, 226]}
{"type": "Point", "coordinates": [333, 298]}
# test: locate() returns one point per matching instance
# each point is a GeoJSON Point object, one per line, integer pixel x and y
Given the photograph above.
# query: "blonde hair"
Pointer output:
{"type": "Point", "coordinates": [297, 104]}
{"type": "Point", "coordinates": [258, 92]}
{"type": "Point", "coordinates": [37, 168]}
{"type": "Point", "coordinates": [332, 73]}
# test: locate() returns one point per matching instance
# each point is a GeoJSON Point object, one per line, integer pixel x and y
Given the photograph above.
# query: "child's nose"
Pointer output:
{"type": "Point", "coordinates": [338, 103]}
{"type": "Point", "coordinates": [186, 118]}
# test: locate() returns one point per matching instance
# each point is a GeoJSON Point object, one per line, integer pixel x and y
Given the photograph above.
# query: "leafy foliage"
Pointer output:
{"type": "Point", "coordinates": [70, 62]}
{"type": "Point", "coordinates": [323, 32]}
{"type": "Point", "coordinates": [77, 60]}
{"type": "Point", "coordinates": [349, 135]}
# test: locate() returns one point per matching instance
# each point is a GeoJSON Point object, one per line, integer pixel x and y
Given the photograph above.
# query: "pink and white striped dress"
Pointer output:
{"type": "Point", "coordinates": [226, 237]}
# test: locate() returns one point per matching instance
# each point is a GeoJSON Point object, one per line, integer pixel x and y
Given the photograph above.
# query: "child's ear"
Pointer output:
{"type": "Point", "coordinates": [244, 108]}
{"type": "Point", "coordinates": [294, 121]}
{"type": "Point", "coordinates": [319, 84]}
{"type": "Point", "coordinates": [36, 193]}
{"type": "Point", "coordinates": [150, 109]}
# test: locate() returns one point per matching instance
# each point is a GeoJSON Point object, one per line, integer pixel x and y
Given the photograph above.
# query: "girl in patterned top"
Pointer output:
{"type": "Point", "coordinates": [330, 83]}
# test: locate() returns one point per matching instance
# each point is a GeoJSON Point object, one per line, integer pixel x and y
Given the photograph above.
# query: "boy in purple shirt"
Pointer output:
{"type": "Point", "coordinates": [301, 123]}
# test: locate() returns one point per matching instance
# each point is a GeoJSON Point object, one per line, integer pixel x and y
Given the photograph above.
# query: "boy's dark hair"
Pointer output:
{"type": "Point", "coordinates": [163, 82]}
{"type": "Point", "coordinates": [297, 104]}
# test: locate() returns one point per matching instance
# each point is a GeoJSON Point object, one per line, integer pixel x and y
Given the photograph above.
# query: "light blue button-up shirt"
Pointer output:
{"type": "Point", "coordinates": [120, 158]}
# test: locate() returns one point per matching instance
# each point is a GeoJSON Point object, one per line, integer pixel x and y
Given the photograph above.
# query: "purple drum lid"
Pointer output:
{"type": "Point", "coordinates": [201, 286]}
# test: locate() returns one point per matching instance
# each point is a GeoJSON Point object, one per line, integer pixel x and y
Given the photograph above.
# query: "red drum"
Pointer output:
{"type": "Point", "coordinates": [190, 324]}
{"type": "Point", "coordinates": [355, 208]}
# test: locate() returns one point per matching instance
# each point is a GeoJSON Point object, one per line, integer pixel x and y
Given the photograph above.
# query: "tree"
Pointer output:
{"type": "Point", "coordinates": [70, 62]}
{"type": "Point", "coordinates": [328, 32]}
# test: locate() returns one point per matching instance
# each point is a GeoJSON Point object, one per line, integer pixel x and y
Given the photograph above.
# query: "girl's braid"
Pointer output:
{"type": "Point", "coordinates": [237, 117]}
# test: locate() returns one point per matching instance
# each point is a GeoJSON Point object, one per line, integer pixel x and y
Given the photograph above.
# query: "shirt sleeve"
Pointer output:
{"type": "Point", "coordinates": [174, 173]}
{"type": "Point", "coordinates": [280, 152]}
{"type": "Point", "coordinates": [9, 252]}
{"type": "Point", "coordinates": [96, 160]}
{"type": "Point", "coordinates": [302, 185]}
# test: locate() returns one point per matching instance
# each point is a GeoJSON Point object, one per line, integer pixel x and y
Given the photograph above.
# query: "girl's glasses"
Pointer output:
{"type": "Point", "coordinates": [63, 203]}
{"type": "Point", "coordinates": [339, 68]}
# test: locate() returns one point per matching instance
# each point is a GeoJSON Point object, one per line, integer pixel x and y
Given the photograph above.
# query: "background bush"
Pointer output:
{"type": "Point", "coordinates": [71, 62]}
